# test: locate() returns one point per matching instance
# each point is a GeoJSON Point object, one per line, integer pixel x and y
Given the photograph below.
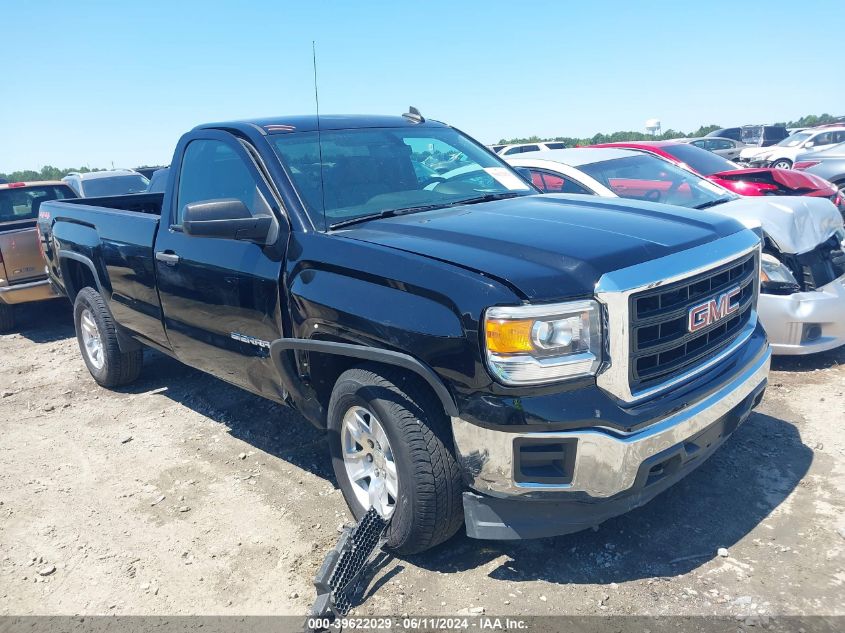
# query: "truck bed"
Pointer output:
{"type": "Point", "coordinates": [108, 243]}
{"type": "Point", "coordinates": [149, 203]}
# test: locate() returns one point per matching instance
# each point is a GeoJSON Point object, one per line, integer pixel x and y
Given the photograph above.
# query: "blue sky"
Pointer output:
{"type": "Point", "coordinates": [96, 83]}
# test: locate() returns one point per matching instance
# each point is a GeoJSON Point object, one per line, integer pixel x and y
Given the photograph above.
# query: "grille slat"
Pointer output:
{"type": "Point", "coordinates": [661, 344]}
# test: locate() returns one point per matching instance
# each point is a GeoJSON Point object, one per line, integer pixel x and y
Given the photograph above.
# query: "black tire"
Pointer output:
{"type": "Point", "coordinates": [118, 368]}
{"type": "Point", "coordinates": [782, 163]}
{"type": "Point", "coordinates": [429, 508]}
{"type": "Point", "coordinates": [7, 317]}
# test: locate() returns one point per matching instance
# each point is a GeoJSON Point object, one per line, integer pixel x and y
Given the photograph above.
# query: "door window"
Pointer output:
{"type": "Point", "coordinates": [212, 170]}
{"type": "Point", "coordinates": [548, 182]}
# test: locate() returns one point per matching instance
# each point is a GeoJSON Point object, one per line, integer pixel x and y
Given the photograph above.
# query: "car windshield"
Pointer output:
{"type": "Point", "coordinates": [796, 139]}
{"type": "Point", "coordinates": [646, 177]}
{"type": "Point", "coordinates": [114, 185]}
{"type": "Point", "coordinates": [703, 161]}
{"type": "Point", "coordinates": [370, 171]}
{"type": "Point", "coordinates": [23, 203]}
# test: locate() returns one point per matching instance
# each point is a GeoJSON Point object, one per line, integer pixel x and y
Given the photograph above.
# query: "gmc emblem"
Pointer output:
{"type": "Point", "coordinates": [710, 312]}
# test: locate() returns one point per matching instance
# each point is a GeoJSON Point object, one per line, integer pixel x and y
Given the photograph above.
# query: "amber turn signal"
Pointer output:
{"type": "Point", "coordinates": [508, 336]}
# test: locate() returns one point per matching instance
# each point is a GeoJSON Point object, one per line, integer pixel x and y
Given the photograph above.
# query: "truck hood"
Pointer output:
{"type": "Point", "coordinates": [796, 224]}
{"type": "Point", "coordinates": [548, 247]}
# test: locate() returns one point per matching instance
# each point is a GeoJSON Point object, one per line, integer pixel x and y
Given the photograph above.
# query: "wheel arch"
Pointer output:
{"type": "Point", "coordinates": [78, 272]}
{"type": "Point", "coordinates": [329, 359]}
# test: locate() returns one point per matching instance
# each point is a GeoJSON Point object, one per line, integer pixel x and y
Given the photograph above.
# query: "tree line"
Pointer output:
{"type": "Point", "coordinates": [806, 121]}
{"type": "Point", "coordinates": [48, 172]}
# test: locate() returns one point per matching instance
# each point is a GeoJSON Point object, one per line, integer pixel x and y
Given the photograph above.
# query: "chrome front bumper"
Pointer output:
{"type": "Point", "coordinates": [785, 316]}
{"type": "Point", "coordinates": [27, 292]}
{"type": "Point", "coordinates": [606, 463]}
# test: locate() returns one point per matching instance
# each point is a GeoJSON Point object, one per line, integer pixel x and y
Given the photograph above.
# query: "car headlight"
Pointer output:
{"type": "Point", "coordinates": [528, 345]}
{"type": "Point", "coordinates": [775, 277]}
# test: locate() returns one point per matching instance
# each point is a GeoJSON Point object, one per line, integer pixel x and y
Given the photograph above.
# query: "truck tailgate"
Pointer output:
{"type": "Point", "coordinates": [19, 253]}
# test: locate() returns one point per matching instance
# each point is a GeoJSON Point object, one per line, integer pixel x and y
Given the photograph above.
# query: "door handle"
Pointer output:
{"type": "Point", "coordinates": [171, 259]}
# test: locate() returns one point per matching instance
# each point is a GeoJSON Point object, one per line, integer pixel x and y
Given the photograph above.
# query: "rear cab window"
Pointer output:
{"type": "Point", "coordinates": [24, 203]}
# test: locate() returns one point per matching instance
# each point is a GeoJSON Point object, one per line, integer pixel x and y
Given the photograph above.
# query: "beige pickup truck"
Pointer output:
{"type": "Point", "coordinates": [22, 274]}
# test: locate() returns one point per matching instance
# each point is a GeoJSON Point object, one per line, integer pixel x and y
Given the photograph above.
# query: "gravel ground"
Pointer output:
{"type": "Point", "coordinates": [184, 495]}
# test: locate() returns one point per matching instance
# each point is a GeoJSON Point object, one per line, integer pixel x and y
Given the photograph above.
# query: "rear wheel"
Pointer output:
{"type": "Point", "coordinates": [97, 337]}
{"type": "Point", "coordinates": [782, 163]}
{"type": "Point", "coordinates": [391, 449]}
{"type": "Point", "coordinates": [7, 317]}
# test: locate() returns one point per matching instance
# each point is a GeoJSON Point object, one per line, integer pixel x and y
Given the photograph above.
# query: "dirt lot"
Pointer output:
{"type": "Point", "coordinates": [183, 495]}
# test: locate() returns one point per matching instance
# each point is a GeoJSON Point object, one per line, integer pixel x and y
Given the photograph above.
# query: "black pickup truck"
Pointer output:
{"type": "Point", "coordinates": [526, 364]}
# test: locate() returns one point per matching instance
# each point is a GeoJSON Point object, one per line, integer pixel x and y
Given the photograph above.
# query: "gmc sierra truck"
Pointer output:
{"type": "Point", "coordinates": [22, 276]}
{"type": "Point", "coordinates": [526, 365]}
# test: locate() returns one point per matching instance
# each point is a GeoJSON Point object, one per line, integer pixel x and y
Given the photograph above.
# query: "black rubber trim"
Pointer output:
{"type": "Point", "coordinates": [65, 254]}
{"type": "Point", "coordinates": [363, 352]}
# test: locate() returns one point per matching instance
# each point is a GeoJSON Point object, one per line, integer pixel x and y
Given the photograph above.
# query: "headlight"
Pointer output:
{"type": "Point", "coordinates": [538, 344]}
{"type": "Point", "coordinates": [776, 278]}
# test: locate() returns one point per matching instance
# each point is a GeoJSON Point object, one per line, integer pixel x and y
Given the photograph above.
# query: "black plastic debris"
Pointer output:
{"type": "Point", "coordinates": [345, 566]}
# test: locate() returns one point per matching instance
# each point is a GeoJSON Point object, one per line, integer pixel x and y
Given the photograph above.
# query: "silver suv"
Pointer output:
{"type": "Point", "coordinates": [112, 182]}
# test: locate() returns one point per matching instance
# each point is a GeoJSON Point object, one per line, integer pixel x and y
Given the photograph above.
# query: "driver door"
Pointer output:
{"type": "Point", "coordinates": [220, 296]}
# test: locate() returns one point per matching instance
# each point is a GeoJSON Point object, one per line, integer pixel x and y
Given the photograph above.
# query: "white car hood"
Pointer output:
{"type": "Point", "coordinates": [755, 152]}
{"type": "Point", "coordinates": [796, 224]}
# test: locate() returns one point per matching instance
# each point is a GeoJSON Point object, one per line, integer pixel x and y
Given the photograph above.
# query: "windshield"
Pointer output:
{"type": "Point", "coordinates": [114, 185]}
{"type": "Point", "coordinates": [369, 171]}
{"type": "Point", "coordinates": [646, 177]}
{"type": "Point", "coordinates": [24, 203]}
{"type": "Point", "coordinates": [703, 161]}
{"type": "Point", "coordinates": [795, 139]}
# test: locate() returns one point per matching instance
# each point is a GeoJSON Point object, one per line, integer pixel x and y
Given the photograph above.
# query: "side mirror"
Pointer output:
{"type": "Point", "coordinates": [227, 218]}
{"type": "Point", "coordinates": [809, 144]}
{"type": "Point", "coordinates": [525, 173]}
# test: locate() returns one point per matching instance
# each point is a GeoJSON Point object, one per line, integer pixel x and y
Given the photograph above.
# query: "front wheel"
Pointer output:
{"type": "Point", "coordinates": [391, 449]}
{"type": "Point", "coordinates": [782, 163]}
{"type": "Point", "coordinates": [97, 337]}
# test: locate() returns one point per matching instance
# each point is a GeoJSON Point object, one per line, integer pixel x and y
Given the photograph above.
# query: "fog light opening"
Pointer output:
{"type": "Point", "coordinates": [812, 332]}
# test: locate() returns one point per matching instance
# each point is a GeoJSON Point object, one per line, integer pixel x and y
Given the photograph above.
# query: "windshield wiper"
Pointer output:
{"type": "Point", "coordinates": [489, 197]}
{"type": "Point", "coordinates": [389, 213]}
{"type": "Point", "coordinates": [712, 203]}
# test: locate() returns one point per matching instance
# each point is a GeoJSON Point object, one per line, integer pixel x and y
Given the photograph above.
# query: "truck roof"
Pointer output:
{"type": "Point", "coordinates": [308, 123]}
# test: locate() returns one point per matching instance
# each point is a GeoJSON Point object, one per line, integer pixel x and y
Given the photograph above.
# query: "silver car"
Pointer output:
{"type": "Point", "coordinates": [726, 147]}
{"type": "Point", "coordinates": [828, 164]}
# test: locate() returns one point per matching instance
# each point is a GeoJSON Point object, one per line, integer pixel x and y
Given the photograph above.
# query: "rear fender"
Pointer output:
{"type": "Point", "coordinates": [67, 259]}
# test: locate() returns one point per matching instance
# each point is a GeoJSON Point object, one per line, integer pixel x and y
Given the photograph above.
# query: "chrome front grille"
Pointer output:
{"type": "Point", "coordinates": [661, 344]}
{"type": "Point", "coordinates": [649, 347]}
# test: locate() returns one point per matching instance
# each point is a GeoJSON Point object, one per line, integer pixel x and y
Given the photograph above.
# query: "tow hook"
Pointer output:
{"type": "Point", "coordinates": [340, 577]}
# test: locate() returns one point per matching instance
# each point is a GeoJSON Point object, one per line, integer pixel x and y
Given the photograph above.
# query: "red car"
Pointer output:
{"type": "Point", "coordinates": [756, 181]}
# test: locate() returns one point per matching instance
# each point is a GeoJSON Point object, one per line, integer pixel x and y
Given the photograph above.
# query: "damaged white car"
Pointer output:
{"type": "Point", "coordinates": [802, 295]}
